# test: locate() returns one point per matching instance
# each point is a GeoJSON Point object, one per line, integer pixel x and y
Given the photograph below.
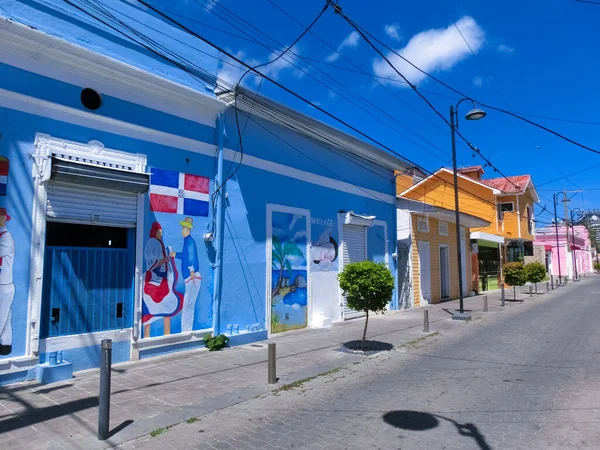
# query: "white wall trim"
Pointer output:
{"type": "Point", "coordinates": [138, 278]}
{"type": "Point", "coordinates": [19, 364]}
{"type": "Point", "coordinates": [57, 343]}
{"type": "Point", "coordinates": [31, 105]}
{"type": "Point", "coordinates": [53, 57]}
{"type": "Point", "coordinates": [518, 217]}
{"type": "Point", "coordinates": [271, 208]}
{"type": "Point", "coordinates": [171, 339]}
{"type": "Point", "coordinates": [309, 177]}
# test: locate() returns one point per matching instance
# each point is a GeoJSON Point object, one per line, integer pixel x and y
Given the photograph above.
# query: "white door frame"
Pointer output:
{"type": "Point", "coordinates": [271, 208]}
{"type": "Point", "coordinates": [422, 300]}
{"type": "Point", "coordinates": [341, 223]}
{"type": "Point", "coordinates": [448, 278]}
{"type": "Point", "coordinates": [45, 147]}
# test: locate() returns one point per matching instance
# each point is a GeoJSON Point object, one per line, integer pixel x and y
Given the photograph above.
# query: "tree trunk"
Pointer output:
{"type": "Point", "coordinates": [278, 287]}
{"type": "Point", "coordinates": [366, 323]}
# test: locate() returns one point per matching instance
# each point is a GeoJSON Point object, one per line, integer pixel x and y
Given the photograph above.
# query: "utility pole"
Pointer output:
{"type": "Point", "coordinates": [566, 203]}
{"type": "Point", "coordinates": [574, 245]}
{"type": "Point", "coordinates": [557, 242]}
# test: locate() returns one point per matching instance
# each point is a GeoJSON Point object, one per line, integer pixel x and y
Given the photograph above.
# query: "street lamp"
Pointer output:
{"type": "Point", "coordinates": [473, 114]}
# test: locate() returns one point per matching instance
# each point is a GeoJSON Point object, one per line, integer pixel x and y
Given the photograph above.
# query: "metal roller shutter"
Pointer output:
{"type": "Point", "coordinates": [354, 249]}
{"type": "Point", "coordinates": [75, 203]}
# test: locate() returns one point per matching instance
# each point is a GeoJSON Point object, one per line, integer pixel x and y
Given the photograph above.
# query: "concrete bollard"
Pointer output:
{"type": "Point", "coordinates": [502, 294]}
{"type": "Point", "coordinates": [272, 363]}
{"type": "Point", "coordinates": [426, 321]}
{"type": "Point", "coordinates": [547, 286]}
{"type": "Point", "coordinates": [530, 290]}
{"type": "Point", "coordinates": [104, 397]}
{"type": "Point", "coordinates": [485, 304]}
{"type": "Point", "coordinates": [552, 281]}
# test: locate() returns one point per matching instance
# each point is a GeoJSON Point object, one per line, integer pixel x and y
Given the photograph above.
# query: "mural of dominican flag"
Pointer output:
{"type": "Point", "coordinates": [3, 174]}
{"type": "Point", "coordinates": [178, 193]}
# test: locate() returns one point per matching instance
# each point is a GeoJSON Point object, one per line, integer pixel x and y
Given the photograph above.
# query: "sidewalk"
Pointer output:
{"type": "Point", "coordinates": [163, 391]}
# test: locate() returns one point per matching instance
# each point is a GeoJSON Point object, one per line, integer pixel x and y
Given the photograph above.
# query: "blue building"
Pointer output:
{"type": "Point", "coordinates": [133, 212]}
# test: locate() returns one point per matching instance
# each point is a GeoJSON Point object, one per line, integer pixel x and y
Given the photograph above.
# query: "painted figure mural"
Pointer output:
{"type": "Point", "coordinates": [325, 252]}
{"type": "Point", "coordinates": [189, 272]}
{"type": "Point", "coordinates": [161, 300]}
{"type": "Point", "coordinates": [7, 288]}
{"type": "Point", "coordinates": [173, 280]}
{"type": "Point", "coordinates": [289, 293]}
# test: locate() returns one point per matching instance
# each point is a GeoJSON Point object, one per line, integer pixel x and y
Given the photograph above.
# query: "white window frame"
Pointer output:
{"type": "Point", "coordinates": [441, 230]}
{"type": "Point", "coordinates": [420, 222]}
{"type": "Point", "coordinates": [501, 212]}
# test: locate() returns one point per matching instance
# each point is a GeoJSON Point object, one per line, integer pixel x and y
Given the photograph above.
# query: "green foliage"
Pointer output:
{"type": "Point", "coordinates": [514, 273]}
{"type": "Point", "coordinates": [367, 286]}
{"type": "Point", "coordinates": [213, 343]}
{"type": "Point", "coordinates": [535, 272]}
{"type": "Point", "coordinates": [597, 266]}
{"type": "Point", "coordinates": [158, 432]}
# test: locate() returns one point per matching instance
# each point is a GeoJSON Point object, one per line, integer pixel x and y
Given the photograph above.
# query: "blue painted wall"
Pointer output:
{"type": "Point", "coordinates": [18, 132]}
{"type": "Point", "coordinates": [244, 290]}
{"type": "Point", "coordinates": [249, 193]}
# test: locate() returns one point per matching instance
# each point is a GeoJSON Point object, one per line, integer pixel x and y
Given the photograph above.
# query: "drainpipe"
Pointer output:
{"type": "Point", "coordinates": [219, 225]}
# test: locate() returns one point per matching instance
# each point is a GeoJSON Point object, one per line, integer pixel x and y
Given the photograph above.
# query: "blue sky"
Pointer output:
{"type": "Point", "coordinates": [538, 55]}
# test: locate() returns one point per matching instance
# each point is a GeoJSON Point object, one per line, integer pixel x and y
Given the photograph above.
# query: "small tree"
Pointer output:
{"type": "Point", "coordinates": [597, 267]}
{"type": "Point", "coordinates": [535, 272]}
{"type": "Point", "coordinates": [514, 275]}
{"type": "Point", "coordinates": [367, 286]}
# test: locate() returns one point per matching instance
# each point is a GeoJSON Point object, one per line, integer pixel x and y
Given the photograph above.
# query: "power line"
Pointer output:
{"type": "Point", "coordinates": [510, 113]}
{"type": "Point", "coordinates": [352, 93]}
{"type": "Point", "coordinates": [362, 32]}
{"type": "Point", "coordinates": [497, 91]}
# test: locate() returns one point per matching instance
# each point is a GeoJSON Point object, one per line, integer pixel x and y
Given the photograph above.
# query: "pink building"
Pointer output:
{"type": "Point", "coordinates": [578, 253]}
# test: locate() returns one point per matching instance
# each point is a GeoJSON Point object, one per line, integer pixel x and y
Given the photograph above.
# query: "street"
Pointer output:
{"type": "Point", "coordinates": [523, 378]}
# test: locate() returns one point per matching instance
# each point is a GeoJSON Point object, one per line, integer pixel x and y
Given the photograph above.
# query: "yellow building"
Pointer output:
{"type": "Point", "coordinates": [427, 253]}
{"type": "Point", "coordinates": [505, 203]}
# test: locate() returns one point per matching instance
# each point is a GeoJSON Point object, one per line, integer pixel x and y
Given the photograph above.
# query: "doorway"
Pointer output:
{"type": "Point", "coordinates": [424, 272]}
{"type": "Point", "coordinates": [288, 270]}
{"type": "Point", "coordinates": [444, 272]}
{"type": "Point", "coordinates": [88, 279]}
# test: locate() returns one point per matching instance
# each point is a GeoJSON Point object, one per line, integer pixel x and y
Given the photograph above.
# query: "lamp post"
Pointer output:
{"type": "Point", "coordinates": [473, 114]}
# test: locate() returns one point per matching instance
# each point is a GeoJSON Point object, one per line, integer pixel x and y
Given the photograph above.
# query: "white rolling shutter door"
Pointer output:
{"type": "Point", "coordinates": [74, 203]}
{"type": "Point", "coordinates": [354, 250]}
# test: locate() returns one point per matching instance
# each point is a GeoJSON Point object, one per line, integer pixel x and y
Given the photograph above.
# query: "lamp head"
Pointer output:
{"type": "Point", "coordinates": [475, 114]}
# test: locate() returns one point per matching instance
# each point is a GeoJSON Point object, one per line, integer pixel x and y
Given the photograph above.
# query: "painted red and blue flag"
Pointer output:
{"type": "Point", "coordinates": [178, 193]}
{"type": "Point", "coordinates": [3, 174]}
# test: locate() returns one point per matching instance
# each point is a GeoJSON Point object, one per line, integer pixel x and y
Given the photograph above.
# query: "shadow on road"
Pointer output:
{"type": "Point", "coordinates": [422, 421]}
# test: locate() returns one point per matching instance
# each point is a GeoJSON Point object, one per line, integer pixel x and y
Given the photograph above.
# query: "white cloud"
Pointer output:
{"type": "Point", "coordinates": [393, 31]}
{"type": "Point", "coordinates": [478, 81]}
{"type": "Point", "coordinates": [210, 4]}
{"type": "Point", "coordinates": [229, 75]}
{"type": "Point", "coordinates": [505, 49]}
{"type": "Point", "coordinates": [351, 41]}
{"type": "Point", "coordinates": [433, 50]}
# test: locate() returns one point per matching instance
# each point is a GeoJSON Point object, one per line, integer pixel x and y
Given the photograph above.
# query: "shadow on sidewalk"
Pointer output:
{"type": "Point", "coordinates": [422, 421]}
{"type": "Point", "coordinates": [34, 415]}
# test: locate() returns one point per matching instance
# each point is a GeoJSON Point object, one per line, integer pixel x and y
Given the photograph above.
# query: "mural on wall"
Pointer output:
{"type": "Point", "coordinates": [289, 293]}
{"type": "Point", "coordinates": [173, 279]}
{"type": "Point", "coordinates": [7, 287]}
{"type": "Point", "coordinates": [324, 252]}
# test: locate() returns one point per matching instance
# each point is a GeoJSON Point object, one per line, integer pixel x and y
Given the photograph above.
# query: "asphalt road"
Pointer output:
{"type": "Point", "coordinates": [524, 378]}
